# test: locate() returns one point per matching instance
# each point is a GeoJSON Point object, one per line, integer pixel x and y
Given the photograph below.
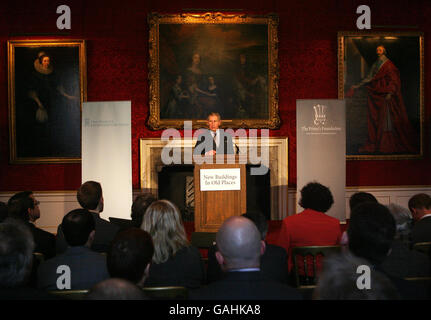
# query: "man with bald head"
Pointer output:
{"type": "Point", "coordinates": [239, 247]}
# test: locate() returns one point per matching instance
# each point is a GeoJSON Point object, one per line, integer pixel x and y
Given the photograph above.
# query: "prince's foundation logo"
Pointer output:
{"type": "Point", "coordinates": [319, 114]}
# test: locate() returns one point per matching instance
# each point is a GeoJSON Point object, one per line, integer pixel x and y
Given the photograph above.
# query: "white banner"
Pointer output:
{"type": "Point", "coordinates": [220, 179]}
{"type": "Point", "coordinates": [321, 149]}
{"type": "Point", "coordinates": [107, 154]}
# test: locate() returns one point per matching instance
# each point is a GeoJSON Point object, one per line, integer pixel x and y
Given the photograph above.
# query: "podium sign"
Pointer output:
{"type": "Point", "coordinates": [220, 179]}
{"type": "Point", "coordinates": [220, 192]}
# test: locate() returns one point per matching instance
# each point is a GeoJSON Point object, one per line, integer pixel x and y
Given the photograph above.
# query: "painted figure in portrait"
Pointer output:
{"type": "Point", "coordinates": [382, 80]}
{"type": "Point", "coordinates": [224, 68]}
{"type": "Point", "coordinates": [389, 129]}
{"type": "Point", "coordinates": [47, 102]}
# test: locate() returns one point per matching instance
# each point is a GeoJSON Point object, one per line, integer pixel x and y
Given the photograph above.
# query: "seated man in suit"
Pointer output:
{"type": "Point", "coordinates": [311, 227]}
{"type": "Point", "coordinates": [16, 252]}
{"type": "Point", "coordinates": [215, 140]}
{"type": "Point", "coordinates": [403, 262]}
{"type": "Point", "coordinates": [240, 247]}
{"type": "Point", "coordinates": [86, 266]}
{"type": "Point", "coordinates": [273, 262]}
{"type": "Point", "coordinates": [90, 197]}
{"type": "Point", "coordinates": [24, 206]}
{"type": "Point", "coordinates": [370, 236]}
{"type": "Point", "coordinates": [130, 256]}
{"type": "Point", "coordinates": [356, 199]}
{"type": "Point", "coordinates": [420, 207]}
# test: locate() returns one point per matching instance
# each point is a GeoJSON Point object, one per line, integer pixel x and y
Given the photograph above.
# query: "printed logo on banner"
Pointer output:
{"type": "Point", "coordinates": [319, 114]}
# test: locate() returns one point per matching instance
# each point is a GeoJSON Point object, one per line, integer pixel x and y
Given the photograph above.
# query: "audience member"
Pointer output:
{"type": "Point", "coordinates": [115, 289]}
{"type": "Point", "coordinates": [370, 236]}
{"type": "Point", "coordinates": [16, 258]}
{"type": "Point", "coordinates": [139, 206]}
{"type": "Point", "coordinates": [3, 211]}
{"type": "Point", "coordinates": [361, 197]}
{"type": "Point", "coordinates": [402, 262]}
{"type": "Point", "coordinates": [339, 281]}
{"type": "Point", "coordinates": [25, 207]}
{"type": "Point", "coordinates": [86, 267]}
{"type": "Point", "coordinates": [130, 255]}
{"type": "Point", "coordinates": [175, 261]}
{"type": "Point", "coordinates": [273, 262]}
{"type": "Point", "coordinates": [355, 200]}
{"type": "Point", "coordinates": [239, 249]}
{"type": "Point", "coordinates": [311, 227]}
{"type": "Point", "coordinates": [403, 222]}
{"type": "Point", "coordinates": [90, 197]}
{"type": "Point", "coordinates": [420, 207]}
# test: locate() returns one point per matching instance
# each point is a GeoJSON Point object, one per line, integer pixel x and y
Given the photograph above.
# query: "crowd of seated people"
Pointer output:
{"type": "Point", "coordinates": [112, 262]}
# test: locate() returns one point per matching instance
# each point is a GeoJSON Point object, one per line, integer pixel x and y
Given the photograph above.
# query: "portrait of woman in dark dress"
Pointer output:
{"type": "Point", "coordinates": [47, 103]}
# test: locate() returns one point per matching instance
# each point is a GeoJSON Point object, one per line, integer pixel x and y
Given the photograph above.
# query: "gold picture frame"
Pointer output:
{"type": "Point", "coordinates": [213, 62]}
{"type": "Point", "coordinates": [46, 88]}
{"type": "Point", "coordinates": [381, 77]}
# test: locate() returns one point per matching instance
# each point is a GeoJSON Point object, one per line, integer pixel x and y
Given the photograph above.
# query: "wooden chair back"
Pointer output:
{"type": "Point", "coordinates": [308, 279]}
{"type": "Point", "coordinates": [424, 247]}
{"type": "Point", "coordinates": [70, 294]}
{"type": "Point", "coordinates": [166, 293]}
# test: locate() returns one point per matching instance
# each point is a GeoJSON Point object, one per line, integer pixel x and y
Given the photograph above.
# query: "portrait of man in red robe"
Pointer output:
{"type": "Point", "coordinates": [389, 128]}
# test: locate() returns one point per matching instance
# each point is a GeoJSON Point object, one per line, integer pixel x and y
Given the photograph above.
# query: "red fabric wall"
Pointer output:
{"type": "Point", "coordinates": [117, 56]}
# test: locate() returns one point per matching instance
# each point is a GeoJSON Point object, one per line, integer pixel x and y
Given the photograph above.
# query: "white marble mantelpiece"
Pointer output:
{"type": "Point", "coordinates": [151, 164]}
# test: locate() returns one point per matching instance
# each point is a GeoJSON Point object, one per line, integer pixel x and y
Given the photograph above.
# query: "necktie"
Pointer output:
{"type": "Point", "coordinates": [215, 139]}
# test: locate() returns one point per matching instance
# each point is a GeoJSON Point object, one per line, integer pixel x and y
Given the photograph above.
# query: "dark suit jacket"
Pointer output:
{"type": "Point", "coordinates": [225, 145]}
{"type": "Point", "coordinates": [185, 269]}
{"type": "Point", "coordinates": [44, 241]}
{"type": "Point", "coordinates": [273, 264]}
{"type": "Point", "coordinates": [403, 262]}
{"type": "Point", "coordinates": [86, 269]}
{"type": "Point", "coordinates": [105, 233]}
{"type": "Point", "coordinates": [245, 286]}
{"type": "Point", "coordinates": [406, 289]}
{"type": "Point", "coordinates": [421, 231]}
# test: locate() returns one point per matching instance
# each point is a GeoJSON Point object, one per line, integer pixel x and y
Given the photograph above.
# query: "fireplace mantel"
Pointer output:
{"type": "Point", "coordinates": [151, 163]}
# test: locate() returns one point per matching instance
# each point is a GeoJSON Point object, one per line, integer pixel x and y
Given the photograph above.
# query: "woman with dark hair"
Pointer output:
{"type": "Point", "coordinates": [139, 206]}
{"type": "Point", "coordinates": [175, 261]}
{"type": "Point", "coordinates": [311, 227]}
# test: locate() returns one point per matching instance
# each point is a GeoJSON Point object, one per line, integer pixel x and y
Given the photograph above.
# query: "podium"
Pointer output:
{"type": "Point", "coordinates": [228, 199]}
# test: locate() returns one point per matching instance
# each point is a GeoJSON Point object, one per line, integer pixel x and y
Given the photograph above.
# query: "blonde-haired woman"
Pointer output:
{"type": "Point", "coordinates": [175, 261]}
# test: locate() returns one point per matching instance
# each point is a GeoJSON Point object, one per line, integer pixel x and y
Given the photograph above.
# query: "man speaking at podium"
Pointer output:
{"type": "Point", "coordinates": [215, 140]}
